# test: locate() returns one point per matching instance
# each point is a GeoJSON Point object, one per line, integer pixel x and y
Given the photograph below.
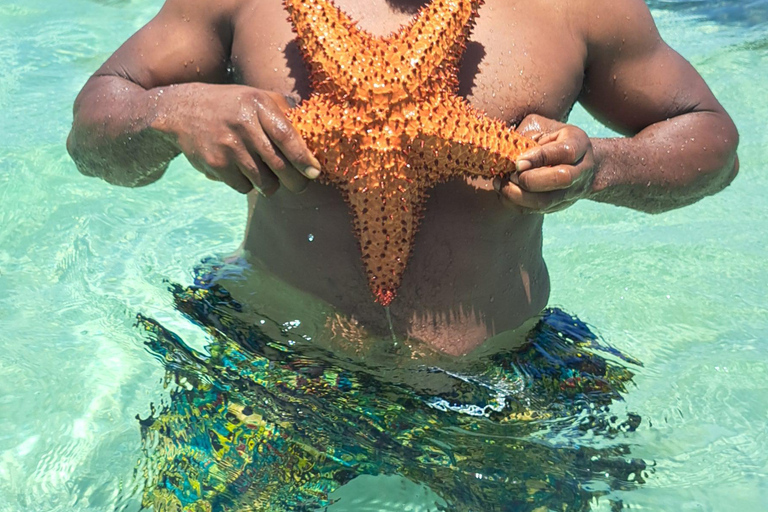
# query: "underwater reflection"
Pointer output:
{"type": "Point", "coordinates": [261, 424]}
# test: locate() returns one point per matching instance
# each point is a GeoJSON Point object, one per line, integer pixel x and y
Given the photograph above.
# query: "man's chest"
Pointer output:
{"type": "Point", "coordinates": [520, 59]}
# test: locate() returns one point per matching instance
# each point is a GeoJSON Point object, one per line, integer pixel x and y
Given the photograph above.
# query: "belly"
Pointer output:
{"type": "Point", "coordinates": [476, 271]}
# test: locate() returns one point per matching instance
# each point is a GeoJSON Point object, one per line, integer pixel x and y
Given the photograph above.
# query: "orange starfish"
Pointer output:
{"type": "Point", "coordinates": [386, 123]}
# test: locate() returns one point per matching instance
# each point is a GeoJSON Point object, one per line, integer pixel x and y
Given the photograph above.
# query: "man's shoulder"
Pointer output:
{"type": "Point", "coordinates": [612, 23]}
{"type": "Point", "coordinates": [218, 10]}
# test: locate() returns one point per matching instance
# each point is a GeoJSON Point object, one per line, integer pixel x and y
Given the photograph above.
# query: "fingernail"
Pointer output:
{"type": "Point", "coordinates": [523, 165]}
{"type": "Point", "coordinates": [496, 184]}
{"type": "Point", "coordinates": [269, 191]}
{"type": "Point", "coordinates": [311, 172]}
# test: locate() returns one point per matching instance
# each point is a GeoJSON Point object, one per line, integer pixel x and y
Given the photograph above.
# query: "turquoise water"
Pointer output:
{"type": "Point", "coordinates": [685, 292]}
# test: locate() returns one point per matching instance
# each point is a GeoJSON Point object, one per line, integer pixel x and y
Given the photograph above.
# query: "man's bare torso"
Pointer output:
{"type": "Point", "coordinates": [477, 269]}
{"type": "Point", "coordinates": [477, 272]}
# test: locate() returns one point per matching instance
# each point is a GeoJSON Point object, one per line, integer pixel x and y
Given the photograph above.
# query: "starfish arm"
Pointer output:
{"type": "Point", "coordinates": [385, 201]}
{"type": "Point", "coordinates": [455, 139]}
{"type": "Point", "coordinates": [384, 193]}
{"type": "Point", "coordinates": [321, 122]}
{"type": "Point", "coordinates": [386, 125]}
{"type": "Point", "coordinates": [340, 55]}
{"type": "Point", "coordinates": [432, 44]}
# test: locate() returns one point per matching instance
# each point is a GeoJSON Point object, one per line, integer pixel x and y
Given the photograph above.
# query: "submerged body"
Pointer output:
{"type": "Point", "coordinates": [257, 423]}
{"type": "Point", "coordinates": [477, 270]}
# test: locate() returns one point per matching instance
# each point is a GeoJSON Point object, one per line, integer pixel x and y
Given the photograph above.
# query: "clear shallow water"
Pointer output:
{"type": "Point", "coordinates": [684, 292]}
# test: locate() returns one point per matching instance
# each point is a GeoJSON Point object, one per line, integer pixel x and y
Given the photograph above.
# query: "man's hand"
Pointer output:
{"type": "Point", "coordinates": [237, 135]}
{"type": "Point", "coordinates": [554, 175]}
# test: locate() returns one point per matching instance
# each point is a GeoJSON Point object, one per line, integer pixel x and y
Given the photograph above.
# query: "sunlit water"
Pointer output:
{"type": "Point", "coordinates": [685, 292]}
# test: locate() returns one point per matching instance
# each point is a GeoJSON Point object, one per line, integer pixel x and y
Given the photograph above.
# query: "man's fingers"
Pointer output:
{"type": "Point", "coordinates": [551, 154]}
{"type": "Point", "coordinates": [531, 126]}
{"type": "Point", "coordinates": [283, 169]}
{"type": "Point", "coordinates": [528, 200]}
{"type": "Point", "coordinates": [546, 138]}
{"type": "Point", "coordinates": [234, 178]}
{"type": "Point", "coordinates": [258, 173]}
{"type": "Point", "coordinates": [534, 126]}
{"type": "Point", "coordinates": [547, 179]}
{"type": "Point", "coordinates": [284, 101]}
{"type": "Point", "coordinates": [258, 143]}
{"type": "Point", "coordinates": [283, 135]}
{"type": "Point", "coordinates": [227, 173]}
{"type": "Point", "coordinates": [534, 201]}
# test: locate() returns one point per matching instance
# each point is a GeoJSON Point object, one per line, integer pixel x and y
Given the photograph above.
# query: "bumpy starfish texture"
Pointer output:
{"type": "Point", "coordinates": [386, 123]}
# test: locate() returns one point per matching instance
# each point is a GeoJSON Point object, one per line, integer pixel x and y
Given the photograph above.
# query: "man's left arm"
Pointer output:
{"type": "Point", "coordinates": [680, 143]}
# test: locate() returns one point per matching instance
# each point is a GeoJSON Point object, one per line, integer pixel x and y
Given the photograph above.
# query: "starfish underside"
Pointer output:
{"type": "Point", "coordinates": [386, 123]}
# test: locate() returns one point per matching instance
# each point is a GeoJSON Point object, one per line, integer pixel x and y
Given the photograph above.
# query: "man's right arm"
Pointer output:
{"type": "Point", "coordinates": [163, 93]}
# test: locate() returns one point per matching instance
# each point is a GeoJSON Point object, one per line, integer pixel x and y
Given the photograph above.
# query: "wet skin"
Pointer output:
{"type": "Point", "coordinates": [209, 81]}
